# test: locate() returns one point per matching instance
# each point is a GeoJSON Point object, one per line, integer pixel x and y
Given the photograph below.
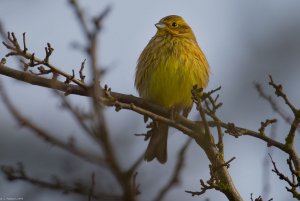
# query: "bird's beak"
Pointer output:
{"type": "Point", "coordinates": [160, 25]}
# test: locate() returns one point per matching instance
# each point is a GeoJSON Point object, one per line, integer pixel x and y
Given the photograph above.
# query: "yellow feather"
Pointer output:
{"type": "Point", "coordinates": [168, 68]}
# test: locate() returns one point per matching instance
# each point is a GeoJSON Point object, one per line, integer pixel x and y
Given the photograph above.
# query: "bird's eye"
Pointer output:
{"type": "Point", "coordinates": [174, 24]}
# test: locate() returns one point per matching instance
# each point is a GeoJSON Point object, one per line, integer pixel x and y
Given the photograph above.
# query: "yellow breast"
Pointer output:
{"type": "Point", "coordinates": [168, 69]}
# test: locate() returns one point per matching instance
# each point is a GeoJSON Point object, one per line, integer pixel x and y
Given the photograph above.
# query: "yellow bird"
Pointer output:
{"type": "Point", "coordinates": [167, 69]}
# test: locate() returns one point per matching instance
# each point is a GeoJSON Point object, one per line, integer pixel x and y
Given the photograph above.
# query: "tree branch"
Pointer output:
{"type": "Point", "coordinates": [122, 101]}
{"type": "Point", "coordinates": [18, 173]}
{"type": "Point", "coordinates": [49, 138]}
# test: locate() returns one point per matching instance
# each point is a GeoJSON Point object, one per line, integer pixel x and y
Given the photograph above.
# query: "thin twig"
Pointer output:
{"type": "Point", "coordinates": [210, 184]}
{"type": "Point", "coordinates": [279, 92]}
{"type": "Point", "coordinates": [266, 123]}
{"type": "Point", "coordinates": [33, 60]}
{"type": "Point", "coordinates": [276, 108]}
{"type": "Point", "coordinates": [281, 175]}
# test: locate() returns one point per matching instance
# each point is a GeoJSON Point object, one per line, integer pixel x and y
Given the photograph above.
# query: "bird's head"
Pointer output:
{"type": "Point", "coordinates": [174, 25]}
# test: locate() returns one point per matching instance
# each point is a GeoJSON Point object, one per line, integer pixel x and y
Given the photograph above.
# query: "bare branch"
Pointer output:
{"type": "Point", "coordinates": [123, 101]}
{"type": "Point", "coordinates": [294, 185]}
{"type": "Point", "coordinates": [210, 184]}
{"type": "Point", "coordinates": [198, 97]}
{"type": "Point", "coordinates": [19, 173]}
{"type": "Point", "coordinates": [266, 123]}
{"type": "Point", "coordinates": [78, 116]}
{"type": "Point", "coordinates": [80, 17]}
{"type": "Point", "coordinates": [273, 104]}
{"type": "Point", "coordinates": [211, 107]}
{"type": "Point", "coordinates": [279, 92]}
{"type": "Point", "coordinates": [49, 138]}
{"type": "Point", "coordinates": [99, 19]}
{"type": "Point", "coordinates": [34, 61]}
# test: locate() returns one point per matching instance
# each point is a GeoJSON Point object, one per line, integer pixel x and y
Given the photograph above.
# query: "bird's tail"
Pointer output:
{"type": "Point", "coordinates": [157, 147]}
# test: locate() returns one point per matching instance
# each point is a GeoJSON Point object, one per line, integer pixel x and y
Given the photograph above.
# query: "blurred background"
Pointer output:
{"type": "Point", "coordinates": [243, 41]}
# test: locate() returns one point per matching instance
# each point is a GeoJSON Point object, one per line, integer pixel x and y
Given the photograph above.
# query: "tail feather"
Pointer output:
{"type": "Point", "coordinates": [157, 147]}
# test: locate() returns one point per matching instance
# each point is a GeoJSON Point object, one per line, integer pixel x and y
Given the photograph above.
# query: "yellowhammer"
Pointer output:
{"type": "Point", "coordinates": [168, 68]}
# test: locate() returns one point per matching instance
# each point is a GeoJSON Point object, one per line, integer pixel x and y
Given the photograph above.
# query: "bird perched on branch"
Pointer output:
{"type": "Point", "coordinates": [167, 69]}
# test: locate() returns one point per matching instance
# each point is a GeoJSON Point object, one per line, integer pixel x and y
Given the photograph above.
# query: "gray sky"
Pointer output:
{"type": "Point", "coordinates": [244, 42]}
